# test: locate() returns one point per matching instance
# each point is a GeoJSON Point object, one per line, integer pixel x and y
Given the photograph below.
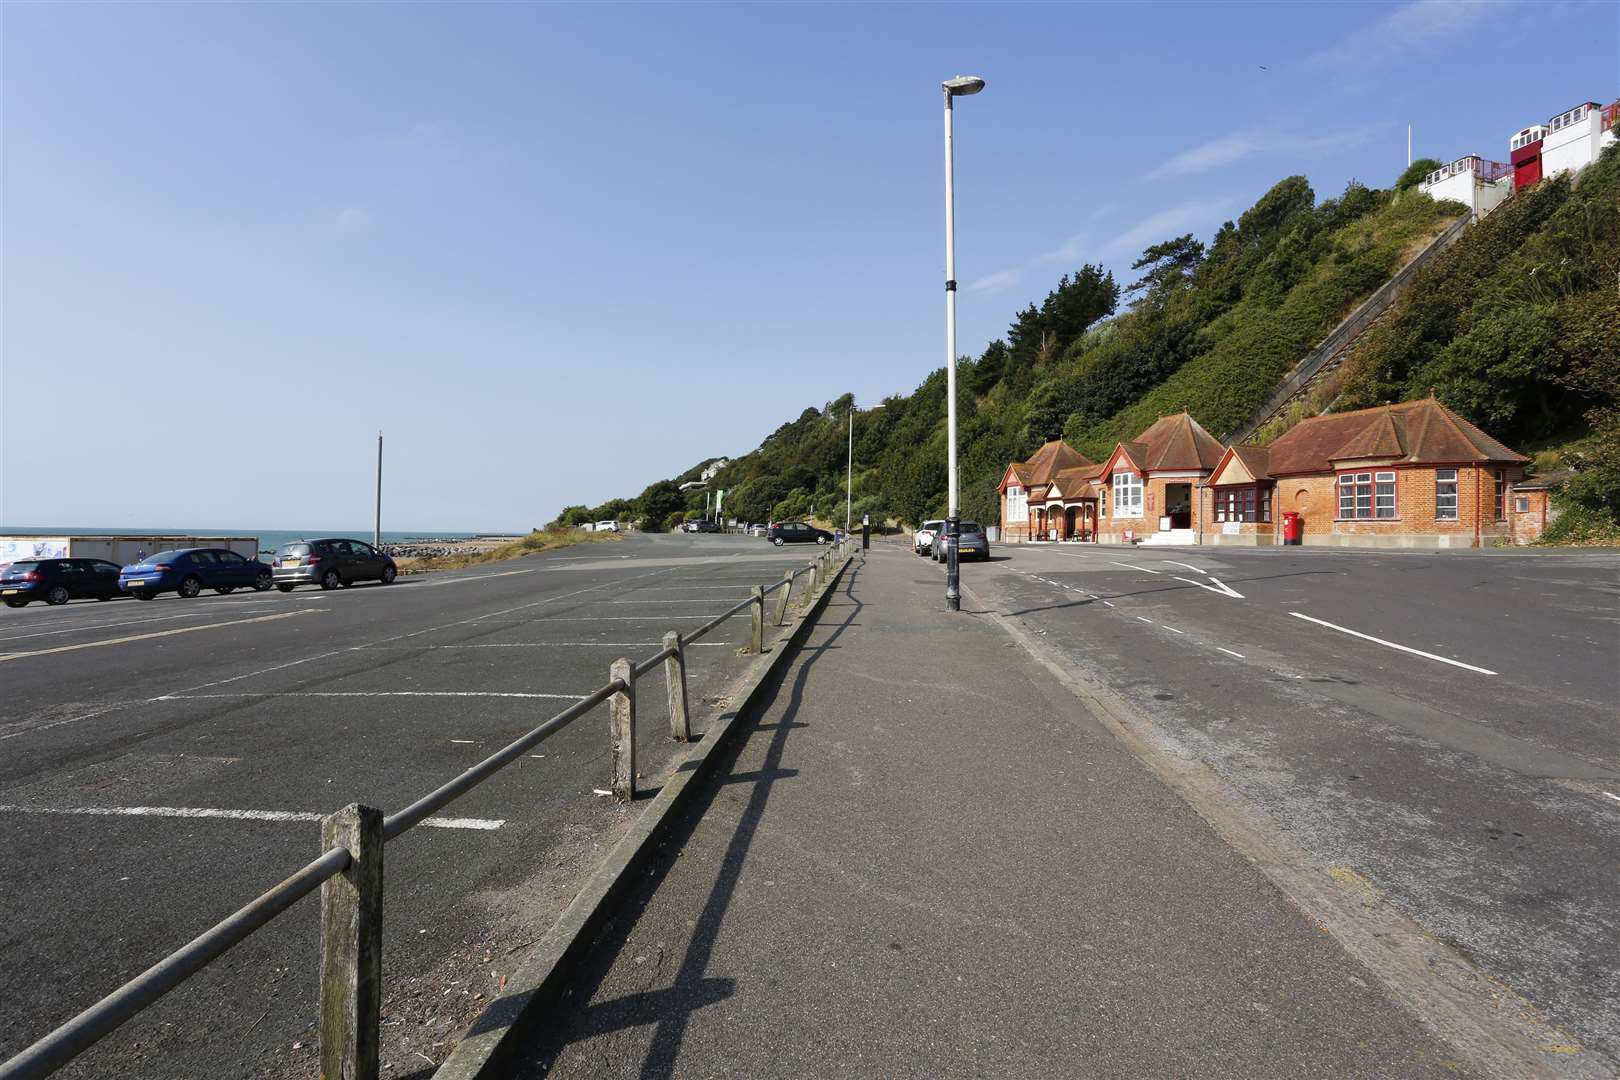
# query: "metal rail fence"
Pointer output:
{"type": "Point", "coordinates": [349, 871]}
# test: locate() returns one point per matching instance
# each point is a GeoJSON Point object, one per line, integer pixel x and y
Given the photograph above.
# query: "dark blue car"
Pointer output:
{"type": "Point", "coordinates": [188, 571]}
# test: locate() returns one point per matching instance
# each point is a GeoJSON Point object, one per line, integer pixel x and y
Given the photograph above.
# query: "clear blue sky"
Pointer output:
{"type": "Point", "coordinates": [559, 252]}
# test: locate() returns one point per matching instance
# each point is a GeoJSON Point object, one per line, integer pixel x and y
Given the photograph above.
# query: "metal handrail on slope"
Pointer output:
{"type": "Point", "coordinates": [78, 1034]}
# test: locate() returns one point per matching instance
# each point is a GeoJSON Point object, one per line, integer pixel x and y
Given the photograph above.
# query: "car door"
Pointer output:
{"type": "Point", "coordinates": [103, 577]}
{"type": "Point", "coordinates": [200, 564]}
{"type": "Point", "coordinates": [368, 563]}
{"type": "Point", "coordinates": [343, 558]}
{"type": "Point", "coordinates": [232, 569]}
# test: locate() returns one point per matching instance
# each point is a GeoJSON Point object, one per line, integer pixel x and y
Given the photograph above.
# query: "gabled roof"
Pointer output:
{"type": "Point", "coordinates": [1044, 464]}
{"type": "Point", "coordinates": [1253, 460]}
{"type": "Point", "coordinates": [1171, 444]}
{"type": "Point", "coordinates": [1410, 433]}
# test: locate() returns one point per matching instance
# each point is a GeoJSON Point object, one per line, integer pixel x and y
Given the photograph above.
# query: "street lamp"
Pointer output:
{"type": "Point", "coordinates": [961, 86]}
{"type": "Point", "coordinates": [849, 470]}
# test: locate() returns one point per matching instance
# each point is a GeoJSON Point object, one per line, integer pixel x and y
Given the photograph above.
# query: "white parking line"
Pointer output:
{"type": "Point", "coordinates": [1148, 621]}
{"type": "Point", "coordinates": [1229, 652]}
{"type": "Point", "coordinates": [1173, 630]}
{"type": "Point", "coordinates": [694, 600]}
{"type": "Point", "coordinates": [554, 645]}
{"type": "Point", "coordinates": [481, 824]}
{"type": "Point", "coordinates": [616, 618]}
{"type": "Point", "coordinates": [1130, 566]}
{"type": "Point", "coordinates": [1391, 644]}
{"type": "Point", "coordinates": [104, 625]}
{"type": "Point", "coordinates": [367, 693]}
{"type": "Point", "coordinates": [155, 634]}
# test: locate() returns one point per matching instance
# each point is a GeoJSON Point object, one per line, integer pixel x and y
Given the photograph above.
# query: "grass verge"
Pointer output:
{"type": "Point", "coordinates": [532, 544]}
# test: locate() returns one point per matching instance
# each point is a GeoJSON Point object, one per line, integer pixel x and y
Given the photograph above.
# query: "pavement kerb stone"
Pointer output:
{"type": "Point", "coordinates": [540, 978]}
{"type": "Point", "coordinates": [1496, 1031]}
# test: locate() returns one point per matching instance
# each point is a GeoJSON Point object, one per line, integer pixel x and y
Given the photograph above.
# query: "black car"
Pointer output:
{"type": "Point", "coordinates": [703, 526]}
{"type": "Point", "coordinates": [56, 581]}
{"type": "Point", "coordinates": [797, 532]}
{"type": "Point", "coordinates": [331, 562]}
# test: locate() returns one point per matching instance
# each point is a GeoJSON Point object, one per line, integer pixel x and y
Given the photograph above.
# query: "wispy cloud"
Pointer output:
{"type": "Point", "coordinates": [1211, 155]}
{"type": "Point", "coordinates": [1000, 281]}
{"type": "Point", "coordinates": [1172, 221]}
{"type": "Point", "coordinates": [1408, 28]}
{"type": "Point", "coordinates": [1067, 252]}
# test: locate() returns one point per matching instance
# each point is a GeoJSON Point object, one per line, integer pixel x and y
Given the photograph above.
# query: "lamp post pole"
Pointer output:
{"type": "Point", "coordinates": [960, 86]}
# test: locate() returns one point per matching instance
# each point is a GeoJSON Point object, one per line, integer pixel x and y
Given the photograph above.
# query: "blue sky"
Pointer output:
{"type": "Point", "coordinates": [559, 252]}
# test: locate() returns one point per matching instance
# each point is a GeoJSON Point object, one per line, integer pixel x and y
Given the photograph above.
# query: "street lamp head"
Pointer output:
{"type": "Point", "coordinates": [963, 85]}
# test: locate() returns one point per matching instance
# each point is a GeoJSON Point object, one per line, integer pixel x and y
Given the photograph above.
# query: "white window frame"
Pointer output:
{"type": "Point", "coordinates": [1127, 495]}
{"type": "Point", "coordinates": [1521, 504]}
{"type": "Point", "coordinates": [1017, 504]}
{"type": "Point", "coordinates": [1443, 512]}
{"type": "Point", "coordinates": [1384, 507]}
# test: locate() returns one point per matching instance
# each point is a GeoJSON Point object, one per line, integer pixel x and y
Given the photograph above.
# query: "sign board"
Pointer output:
{"type": "Point", "coordinates": [1130, 535]}
{"type": "Point", "coordinates": [1230, 528]}
{"type": "Point", "coordinates": [28, 548]}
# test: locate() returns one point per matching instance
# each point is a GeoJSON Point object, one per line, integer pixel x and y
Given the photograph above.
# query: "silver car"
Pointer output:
{"type": "Point", "coordinates": [922, 541]}
{"type": "Point", "coordinates": [972, 541]}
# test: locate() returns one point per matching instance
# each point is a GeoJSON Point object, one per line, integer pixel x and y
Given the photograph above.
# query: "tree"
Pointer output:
{"type": "Point", "coordinates": [1170, 266]}
{"type": "Point", "coordinates": [1415, 172]}
{"type": "Point", "coordinates": [658, 502]}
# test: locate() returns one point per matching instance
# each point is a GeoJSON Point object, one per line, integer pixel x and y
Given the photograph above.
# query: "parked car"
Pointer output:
{"type": "Point", "coordinates": [972, 541]}
{"type": "Point", "coordinates": [703, 526]}
{"type": "Point", "coordinates": [796, 532]}
{"type": "Point", "coordinates": [757, 530]}
{"type": "Point", "coordinates": [56, 581]}
{"type": "Point", "coordinates": [607, 526]}
{"type": "Point", "coordinates": [188, 571]}
{"type": "Point", "coordinates": [331, 562]}
{"type": "Point", "coordinates": [922, 541]}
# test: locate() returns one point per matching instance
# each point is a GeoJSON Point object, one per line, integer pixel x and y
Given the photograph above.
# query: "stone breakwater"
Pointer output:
{"type": "Point", "coordinates": [442, 548]}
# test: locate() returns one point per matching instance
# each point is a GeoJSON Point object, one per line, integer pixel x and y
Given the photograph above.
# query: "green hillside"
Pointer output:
{"type": "Point", "coordinates": [1206, 328]}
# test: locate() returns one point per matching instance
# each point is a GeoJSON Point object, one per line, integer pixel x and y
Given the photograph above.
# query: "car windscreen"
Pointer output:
{"type": "Point", "coordinates": [163, 556]}
{"type": "Point", "coordinates": [932, 526]}
{"type": "Point", "coordinates": [971, 527]}
{"type": "Point", "coordinates": [293, 549]}
{"type": "Point", "coordinates": [21, 567]}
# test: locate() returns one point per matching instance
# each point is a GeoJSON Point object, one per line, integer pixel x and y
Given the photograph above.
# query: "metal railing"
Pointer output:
{"type": "Point", "coordinates": [349, 869]}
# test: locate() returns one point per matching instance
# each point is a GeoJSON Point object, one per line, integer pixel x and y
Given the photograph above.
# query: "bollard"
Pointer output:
{"type": "Point", "coordinates": [680, 727]}
{"type": "Point", "coordinates": [351, 946]}
{"type": "Point", "coordinates": [622, 730]}
{"type": "Point", "coordinates": [756, 613]}
{"type": "Point", "coordinates": [782, 601]}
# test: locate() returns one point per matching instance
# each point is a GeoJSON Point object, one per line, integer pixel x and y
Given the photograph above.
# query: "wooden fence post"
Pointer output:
{"type": "Point", "coordinates": [782, 601]}
{"type": "Point", "coordinates": [680, 725]}
{"type": "Point", "coordinates": [351, 946]}
{"type": "Point", "coordinates": [756, 617]}
{"type": "Point", "coordinates": [622, 730]}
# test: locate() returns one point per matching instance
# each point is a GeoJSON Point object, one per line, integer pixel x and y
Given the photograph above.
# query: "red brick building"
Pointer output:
{"type": "Point", "coordinates": [1152, 482]}
{"type": "Point", "coordinates": [1409, 475]}
{"type": "Point", "coordinates": [1050, 496]}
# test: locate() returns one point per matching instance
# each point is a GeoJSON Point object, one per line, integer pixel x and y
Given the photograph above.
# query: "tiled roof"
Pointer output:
{"type": "Point", "coordinates": [1048, 461]}
{"type": "Point", "coordinates": [1411, 433]}
{"type": "Point", "coordinates": [1255, 459]}
{"type": "Point", "coordinates": [1175, 444]}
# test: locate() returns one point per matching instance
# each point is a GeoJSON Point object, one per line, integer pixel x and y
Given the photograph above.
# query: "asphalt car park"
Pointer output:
{"type": "Point", "coordinates": [1437, 727]}
{"type": "Point", "coordinates": [161, 764]}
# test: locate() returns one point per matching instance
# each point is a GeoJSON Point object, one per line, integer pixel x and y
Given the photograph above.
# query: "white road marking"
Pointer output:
{"type": "Point", "coordinates": [155, 634]}
{"type": "Point", "coordinates": [481, 824]}
{"type": "Point", "coordinates": [617, 618]}
{"type": "Point", "coordinates": [1220, 587]}
{"type": "Point", "coordinates": [367, 693]}
{"type": "Point", "coordinates": [1612, 795]}
{"type": "Point", "coordinates": [473, 577]}
{"type": "Point", "coordinates": [465, 742]}
{"type": "Point", "coordinates": [1105, 602]}
{"type": "Point", "coordinates": [104, 625]}
{"type": "Point", "coordinates": [693, 600]}
{"type": "Point", "coordinates": [1391, 644]}
{"type": "Point", "coordinates": [1229, 652]}
{"type": "Point", "coordinates": [550, 645]}
{"type": "Point", "coordinates": [1173, 630]}
{"type": "Point", "coordinates": [1189, 566]}
{"type": "Point", "coordinates": [1130, 566]}
{"type": "Point", "coordinates": [1148, 621]}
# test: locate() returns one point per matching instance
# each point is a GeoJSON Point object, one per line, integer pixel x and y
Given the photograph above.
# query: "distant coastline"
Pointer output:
{"type": "Point", "coordinates": [269, 539]}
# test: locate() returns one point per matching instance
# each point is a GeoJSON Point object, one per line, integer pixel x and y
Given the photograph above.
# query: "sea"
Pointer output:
{"type": "Point", "coordinates": [269, 539]}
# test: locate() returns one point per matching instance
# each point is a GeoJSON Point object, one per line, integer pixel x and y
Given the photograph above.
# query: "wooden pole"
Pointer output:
{"type": "Point", "coordinates": [680, 724]}
{"type": "Point", "coordinates": [622, 721]}
{"type": "Point", "coordinates": [351, 946]}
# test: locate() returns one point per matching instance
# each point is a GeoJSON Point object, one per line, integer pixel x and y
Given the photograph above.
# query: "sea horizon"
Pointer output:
{"type": "Point", "coordinates": [269, 539]}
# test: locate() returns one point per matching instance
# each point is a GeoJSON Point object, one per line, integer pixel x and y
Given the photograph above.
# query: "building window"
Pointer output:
{"type": "Point", "coordinates": [1127, 495]}
{"type": "Point", "coordinates": [1445, 494]}
{"type": "Point", "coordinates": [1017, 504]}
{"type": "Point", "coordinates": [1501, 494]}
{"type": "Point", "coordinates": [1522, 504]}
{"type": "Point", "coordinates": [1248, 502]}
{"type": "Point", "coordinates": [1366, 495]}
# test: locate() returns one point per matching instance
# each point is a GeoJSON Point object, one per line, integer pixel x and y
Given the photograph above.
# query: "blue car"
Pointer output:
{"type": "Point", "coordinates": [188, 571]}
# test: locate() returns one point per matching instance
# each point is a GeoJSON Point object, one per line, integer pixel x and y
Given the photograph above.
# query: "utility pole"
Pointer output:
{"type": "Point", "coordinates": [1408, 146]}
{"type": "Point", "coordinates": [376, 526]}
{"type": "Point", "coordinates": [960, 86]}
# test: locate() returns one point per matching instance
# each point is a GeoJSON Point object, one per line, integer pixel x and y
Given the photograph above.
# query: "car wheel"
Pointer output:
{"type": "Point", "coordinates": [190, 587]}
{"type": "Point", "coordinates": [330, 580]}
{"type": "Point", "coordinates": [263, 582]}
{"type": "Point", "coordinates": [389, 574]}
{"type": "Point", "coordinates": [16, 603]}
{"type": "Point", "coordinates": [225, 590]}
{"type": "Point", "coordinates": [143, 594]}
{"type": "Point", "coordinates": [821, 541]}
{"type": "Point", "coordinates": [778, 541]}
{"type": "Point", "coordinates": [285, 588]}
{"type": "Point", "coordinates": [57, 596]}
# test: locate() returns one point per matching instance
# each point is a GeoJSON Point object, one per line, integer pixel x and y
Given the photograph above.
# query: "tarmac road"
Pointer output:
{"type": "Point", "coordinates": [255, 714]}
{"type": "Point", "coordinates": [1441, 727]}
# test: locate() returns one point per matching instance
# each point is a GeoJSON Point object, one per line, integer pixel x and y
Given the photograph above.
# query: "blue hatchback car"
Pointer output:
{"type": "Point", "coordinates": [188, 571]}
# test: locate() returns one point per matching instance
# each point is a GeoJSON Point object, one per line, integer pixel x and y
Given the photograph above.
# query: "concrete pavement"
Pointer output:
{"type": "Point", "coordinates": [929, 860]}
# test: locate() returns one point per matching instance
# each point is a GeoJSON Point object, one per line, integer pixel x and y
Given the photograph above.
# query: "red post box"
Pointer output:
{"type": "Point", "coordinates": [1292, 527]}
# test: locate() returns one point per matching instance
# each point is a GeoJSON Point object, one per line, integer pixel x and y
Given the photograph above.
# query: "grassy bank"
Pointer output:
{"type": "Point", "coordinates": [531, 544]}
